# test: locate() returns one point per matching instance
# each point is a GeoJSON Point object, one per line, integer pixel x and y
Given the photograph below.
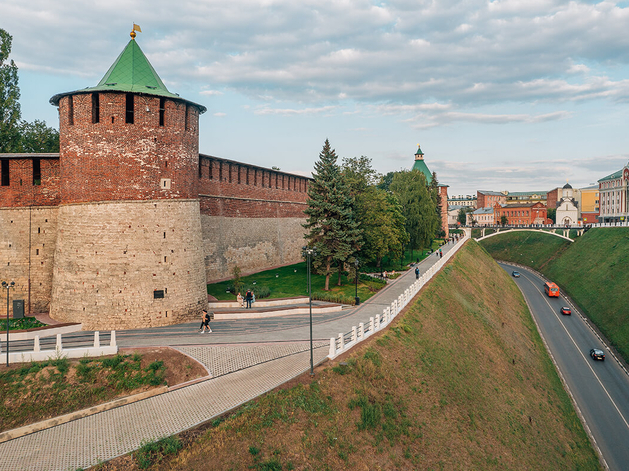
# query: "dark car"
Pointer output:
{"type": "Point", "coordinates": [597, 354]}
{"type": "Point", "coordinates": [566, 311]}
{"type": "Point", "coordinates": [515, 274]}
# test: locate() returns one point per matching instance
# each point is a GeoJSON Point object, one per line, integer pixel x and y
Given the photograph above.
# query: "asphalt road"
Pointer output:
{"type": "Point", "coordinates": [600, 388]}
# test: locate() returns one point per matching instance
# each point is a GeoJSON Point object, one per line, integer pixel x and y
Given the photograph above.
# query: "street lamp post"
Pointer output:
{"type": "Point", "coordinates": [310, 252]}
{"type": "Point", "coordinates": [356, 263]}
{"type": "Point", "coordinates": [8, 286]}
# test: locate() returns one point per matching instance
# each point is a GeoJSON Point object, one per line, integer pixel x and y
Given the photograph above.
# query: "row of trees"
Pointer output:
{"type": "Point", "coordinates": [17, 135]}
{"type": "Point", "coordinates": [356, 214]}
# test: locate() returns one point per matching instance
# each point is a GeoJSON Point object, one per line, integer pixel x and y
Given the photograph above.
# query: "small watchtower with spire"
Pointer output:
{"type": "Point", "coordinates": [129, 246]}
{"type": "Point", "coordinates": [420, 166]}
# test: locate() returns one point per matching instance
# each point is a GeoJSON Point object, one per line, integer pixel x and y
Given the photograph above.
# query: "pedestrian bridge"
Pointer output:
{"type": "Point", "coordinates": [550, 230]}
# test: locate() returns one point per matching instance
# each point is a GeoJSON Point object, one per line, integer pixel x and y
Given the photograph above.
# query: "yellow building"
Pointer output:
{"type": "Point", "coordinates": [588, 204]}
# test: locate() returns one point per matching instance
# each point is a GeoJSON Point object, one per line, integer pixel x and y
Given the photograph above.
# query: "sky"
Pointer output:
{"type": "Point", "coordinates": [517, 95]}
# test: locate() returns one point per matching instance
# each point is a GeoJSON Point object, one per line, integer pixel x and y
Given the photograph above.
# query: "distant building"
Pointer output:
{"type": "Point", "coordinates": [420, 166]}
{"type": "Point", "coordinates": [521, 214]}
{"type": "Point", "coordinates": [481, 217]}
{"type": "Point", "coordinates": [614, 193]}
{"type": "Point", "coordinates": [488, 199]}
{"type": "Point", "coordinates": [467, 200]}
{"type": "Point", "coordinates": [567, 207]}
{"type": "Point", "coordinates": [526, 197]}
{"type": "Point", "coordinates": [588, 204]}
{"type": "Point", "coordinates": [453, 214]}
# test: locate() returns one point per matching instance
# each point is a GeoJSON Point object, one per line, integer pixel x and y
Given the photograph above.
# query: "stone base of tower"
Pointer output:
{"type": "Point", "coordinates": [128, 264]}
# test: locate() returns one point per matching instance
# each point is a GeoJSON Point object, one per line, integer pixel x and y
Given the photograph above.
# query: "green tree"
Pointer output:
{"type": "Point", "coordinates": [418, 207]}
{"type": "Point", "coordinates": [37, 137]}
{"type": "Point", "coordinates": [385, 181]}
{"type": "Point", "coordinates": [330, 219]}
{"type": "Point", "coordinates": [462, 216]}
{"type": "Point", "coordinates": [551, 213]}
{"type": "Point", "coordinates": [504, 220]}
{"type": "Point", "coordinates": [10, 112]}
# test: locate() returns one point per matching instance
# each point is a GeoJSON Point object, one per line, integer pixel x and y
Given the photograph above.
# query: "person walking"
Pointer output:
{"type": "Point", "coordinates": [417, 273]}
{"type": "Point", "coordinates": [205, 322]}
{"type": "Point", "coordinates": [440, 254]}
{"type": "Point", "coordinates": [240, 300]}
{"type": "Point", "coordinates": [248, 298]}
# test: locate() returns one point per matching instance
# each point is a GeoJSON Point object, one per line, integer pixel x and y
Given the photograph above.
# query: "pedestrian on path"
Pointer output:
{"type": "Point", "coordinates": [248, 298]}
{"type": "Point", "coordinates": [440, 254]}
{"type": "Point", "coordinates": [240, 300]}
{"type": "Point", "coordinates": [417, 273]}
{"type": "Point", "coordinates": [205, 321]}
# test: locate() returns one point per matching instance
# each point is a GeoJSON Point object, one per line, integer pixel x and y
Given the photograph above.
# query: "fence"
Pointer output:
{"type": "Point", "coordinates": [345, 341]}
{"type": "Point", "coordinates": [37, 354]}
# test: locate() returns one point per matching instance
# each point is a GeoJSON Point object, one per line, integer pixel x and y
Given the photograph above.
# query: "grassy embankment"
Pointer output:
{"type": "Point", "coordinates": [461, 380]}
{"type": "Point", "coordinates": [592, 271]}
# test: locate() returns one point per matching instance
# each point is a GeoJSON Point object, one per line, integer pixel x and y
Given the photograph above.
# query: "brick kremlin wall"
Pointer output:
{"type": "Point", "coordinates": [251, 216]}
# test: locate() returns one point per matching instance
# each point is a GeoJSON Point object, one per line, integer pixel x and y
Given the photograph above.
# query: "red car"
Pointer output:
{"type": "Point", "coordinates": [566, 311]}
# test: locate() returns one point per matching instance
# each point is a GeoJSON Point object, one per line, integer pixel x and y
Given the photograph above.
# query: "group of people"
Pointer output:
{"type": "Point", "coordinates": [249, 298]}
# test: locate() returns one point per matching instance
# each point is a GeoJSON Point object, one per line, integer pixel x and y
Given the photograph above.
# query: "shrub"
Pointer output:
{"type": "Point", "coordinates": [333, 297]}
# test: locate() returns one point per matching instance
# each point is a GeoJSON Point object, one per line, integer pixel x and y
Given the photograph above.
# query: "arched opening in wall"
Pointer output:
{"type": "Point", "coordinates": [95, 108]}
{"type": "Point", "coordinates": [162, 110]}
{"type": "Point", "coordinates": [129, 115]}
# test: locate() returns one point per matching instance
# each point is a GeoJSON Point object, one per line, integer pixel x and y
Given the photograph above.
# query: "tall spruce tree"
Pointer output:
{"type": "Point", "coordinates": [10, 112]}
{"type": "Point", "coordinates": [330, 220]}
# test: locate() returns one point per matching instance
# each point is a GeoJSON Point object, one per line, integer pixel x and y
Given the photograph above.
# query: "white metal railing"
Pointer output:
{"type": "Point", "coordinates": [345, 341]}
{"type": "Point", "coordinates": [37, 354]}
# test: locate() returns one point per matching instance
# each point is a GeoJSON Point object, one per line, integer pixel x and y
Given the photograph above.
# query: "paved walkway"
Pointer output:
{"type": "Point", "coordinates": [246, 359]}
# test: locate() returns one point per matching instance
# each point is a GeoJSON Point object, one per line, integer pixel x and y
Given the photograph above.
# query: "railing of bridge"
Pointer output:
{"type": "Point", "coordinates": [347, 340]}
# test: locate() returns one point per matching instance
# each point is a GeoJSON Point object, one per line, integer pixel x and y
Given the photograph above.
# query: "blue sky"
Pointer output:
{"type": "Point", "coordinates": [502, 95]}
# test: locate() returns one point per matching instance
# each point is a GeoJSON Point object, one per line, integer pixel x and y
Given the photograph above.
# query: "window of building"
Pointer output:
{"type": "Point", "coordinates": [162, 110]}
{"type": "Point", "coordinates": [129, 109]}
{"type": "Point", "coordinates": [5, 172]}
{"type": "Point", "coordinates": [185, 126]}
{"type": "Point", "coordinates": [95, 108]}
{"type": "Point", "coordinates": [36, 172]}
{"type": "Point", "coordinates": [210, 173]}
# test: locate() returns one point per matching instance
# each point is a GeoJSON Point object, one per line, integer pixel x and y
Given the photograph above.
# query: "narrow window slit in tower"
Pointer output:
{"type": "Point", "coordinates": [162, 110]}
{"type": "Point", "coordinates": [70, 110]}
{"type": "Point", "coordinates": [95, 108]}
{"type": "Point", "coordinates": [185, 126]}
{"type": "Point", "coordinates": [129, 109]}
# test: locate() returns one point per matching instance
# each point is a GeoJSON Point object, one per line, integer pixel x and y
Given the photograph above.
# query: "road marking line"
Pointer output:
{"type": "Point", "coordinates": [580, 352]}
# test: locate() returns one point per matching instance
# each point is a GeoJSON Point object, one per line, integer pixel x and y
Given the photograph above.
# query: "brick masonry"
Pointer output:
{"type": "Point", "coordinates": [105, 202]}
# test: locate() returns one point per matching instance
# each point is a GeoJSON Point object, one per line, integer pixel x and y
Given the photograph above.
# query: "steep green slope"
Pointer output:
{"type": "Point", "coordinates": [533, 249]}
{"type": "Point", "coordinates": [593, 271]}
{"type": "Point", "coordinates": [461, 380]}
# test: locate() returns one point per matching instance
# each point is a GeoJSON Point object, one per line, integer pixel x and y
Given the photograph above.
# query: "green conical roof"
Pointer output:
{"type": "Point", "coordinates": [419, 150]}
{"type": "Point", "coordinates": [421, 166]}
{"type": "Point", "coordinates": [131, 72]}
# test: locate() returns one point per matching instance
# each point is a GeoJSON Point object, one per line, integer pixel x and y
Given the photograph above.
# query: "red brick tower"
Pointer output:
{"type": "Point", "coordinates": [129, 249]}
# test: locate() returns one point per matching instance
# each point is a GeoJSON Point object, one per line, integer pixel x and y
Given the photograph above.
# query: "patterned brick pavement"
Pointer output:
{"type": "Point", "coordinates": [122, 430]}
